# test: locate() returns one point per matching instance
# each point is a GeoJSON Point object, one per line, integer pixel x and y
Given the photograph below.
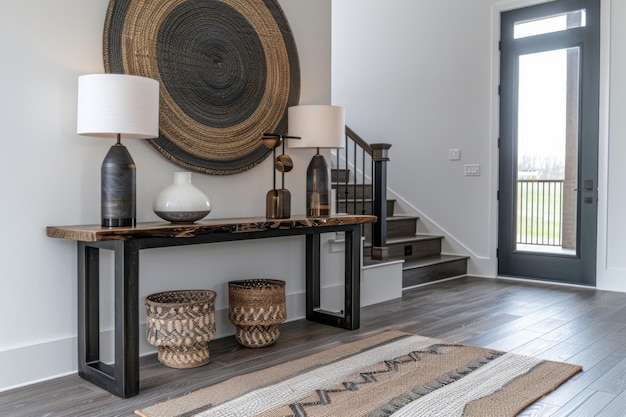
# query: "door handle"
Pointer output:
{"type": "Point", "coordinates": [587, 186]}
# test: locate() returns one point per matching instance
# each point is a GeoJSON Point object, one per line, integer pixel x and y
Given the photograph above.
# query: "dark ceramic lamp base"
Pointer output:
{"type": "Point", "coordinates": [317, 187]}
{"type": "Point", "coordinates": [117, 198]}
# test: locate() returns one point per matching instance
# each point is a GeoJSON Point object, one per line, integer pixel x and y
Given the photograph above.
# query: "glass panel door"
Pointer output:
{"type": "Point", "coordinates": [547, 151]}
{"type": "Point", "coordinates": [548, 156]}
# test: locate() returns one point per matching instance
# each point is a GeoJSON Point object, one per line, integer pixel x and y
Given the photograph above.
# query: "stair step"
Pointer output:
{"type": "Point", "coordinates": [361, 206]}
{"type": "Point", "coordinates": [339, 175]}
{"type": "Point", "coordinates": [401, 226]}
{"type": "Point", "coordinates": [397, 227]}
{"type": "Point", "coordinates": [432, 268]}
{"type": "Point", "coordinates": [417, 246]}
{"type": "Point", "coordinates": [353, 191]}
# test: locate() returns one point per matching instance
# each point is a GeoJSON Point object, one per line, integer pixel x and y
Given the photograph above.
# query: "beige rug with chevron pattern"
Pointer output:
{"type": "Point", "coordinates": [390, 374]}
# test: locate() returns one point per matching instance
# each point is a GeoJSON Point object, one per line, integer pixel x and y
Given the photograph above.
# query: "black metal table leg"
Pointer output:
{"type": "Point", "coordinates": [350, 318]}
{"type": "Point", "coordinates": [88, 307]}
{"type": "Point", "coordinates": [121, 378]}
{"type": "Point", "coordinates": [353, 278]}
{"type": "Point", "coordinates": [313, 260]}
{"type": "Point", "coordinates": [127, 318]}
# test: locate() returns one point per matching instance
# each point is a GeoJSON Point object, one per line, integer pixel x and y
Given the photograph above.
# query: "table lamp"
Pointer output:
{"type": "Point", "coordinates": [118, 106]}
{"type": "Point", "coordinates": [318, 126]}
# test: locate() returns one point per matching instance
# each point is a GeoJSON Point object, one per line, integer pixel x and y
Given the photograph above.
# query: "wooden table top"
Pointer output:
{"type": "Point", "coordinates": [97, 233]}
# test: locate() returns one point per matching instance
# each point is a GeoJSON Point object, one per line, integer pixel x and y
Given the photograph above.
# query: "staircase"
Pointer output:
{"type": "Point", "coordinates": [421, 254]}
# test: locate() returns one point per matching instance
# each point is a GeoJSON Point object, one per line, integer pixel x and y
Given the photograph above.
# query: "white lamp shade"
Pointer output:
{"type": "Point", "coordinates": [318, 126]}
{"type": "Point", "coordinates": [112, 104]}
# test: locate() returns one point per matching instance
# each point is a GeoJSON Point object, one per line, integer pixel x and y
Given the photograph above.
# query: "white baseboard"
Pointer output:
{"type": "Point", "coordinates": [34, 363]}
{"type": "Point", "coordinates": [48, 360]}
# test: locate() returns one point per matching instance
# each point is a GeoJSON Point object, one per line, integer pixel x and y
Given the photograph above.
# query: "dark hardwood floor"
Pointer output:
{"type": "Point", "coordinates": [576, 325]}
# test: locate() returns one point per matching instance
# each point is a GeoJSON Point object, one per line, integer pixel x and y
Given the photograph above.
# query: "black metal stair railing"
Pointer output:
{"type": "Point", "coordinates": [362, 189]}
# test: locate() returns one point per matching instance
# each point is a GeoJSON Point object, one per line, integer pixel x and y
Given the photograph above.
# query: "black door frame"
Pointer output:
{"type": "Point", "coordinates": [581, 268]}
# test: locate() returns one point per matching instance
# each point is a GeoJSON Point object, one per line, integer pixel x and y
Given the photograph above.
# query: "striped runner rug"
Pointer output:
{"type": "Point", "coordinates": [389, 374]}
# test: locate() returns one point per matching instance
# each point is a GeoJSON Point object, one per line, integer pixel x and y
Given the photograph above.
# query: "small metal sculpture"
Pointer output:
{"type": "Point", "coordinates": [278, 201]}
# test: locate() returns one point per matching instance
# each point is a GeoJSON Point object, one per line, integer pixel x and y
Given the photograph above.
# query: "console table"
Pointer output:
{"type": "Point", "coordinates": [122, 377]}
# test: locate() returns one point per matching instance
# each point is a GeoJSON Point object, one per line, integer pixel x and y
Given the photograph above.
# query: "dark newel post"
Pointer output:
{"type": "Point", "coordinates": [379, 230]}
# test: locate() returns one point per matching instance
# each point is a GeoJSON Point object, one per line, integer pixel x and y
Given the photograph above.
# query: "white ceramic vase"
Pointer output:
{"type": "Point", "coordinates": [181, 202]}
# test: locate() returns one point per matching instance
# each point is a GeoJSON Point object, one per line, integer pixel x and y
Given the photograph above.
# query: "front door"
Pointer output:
{"type": "Point", "coordinates": [549, 101]}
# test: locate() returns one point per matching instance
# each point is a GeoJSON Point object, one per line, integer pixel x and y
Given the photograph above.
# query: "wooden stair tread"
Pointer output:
{"type": "Point", "coordinates": [431, 260]}
{"type": "Point", "coordinates": [358, 200]}
{"type": "Point", "coordinates": [412, 238]}
{"type": "Point", "coordinates": [408, 239]}
{"type": "Point", "coordinates": [400, 217]}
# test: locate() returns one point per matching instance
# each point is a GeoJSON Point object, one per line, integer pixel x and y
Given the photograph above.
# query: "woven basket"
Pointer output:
{"type": "Point", "coordinates": [180, 323]}
{"type": "Point", "coordinates": [256, 308]}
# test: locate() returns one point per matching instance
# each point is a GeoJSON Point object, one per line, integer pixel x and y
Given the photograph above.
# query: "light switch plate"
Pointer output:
{"type": "Point", "coordinates": [454, 154]}
{"type": "Point", "coordinates": [472, 170]}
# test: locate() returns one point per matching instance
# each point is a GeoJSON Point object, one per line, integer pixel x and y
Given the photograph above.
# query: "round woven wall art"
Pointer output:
{"type": "Point", "coordinates": [228, 71]}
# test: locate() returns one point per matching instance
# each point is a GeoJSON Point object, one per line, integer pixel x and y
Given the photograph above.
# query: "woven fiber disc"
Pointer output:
{"type": "Point", "coordinates": [228, 71]}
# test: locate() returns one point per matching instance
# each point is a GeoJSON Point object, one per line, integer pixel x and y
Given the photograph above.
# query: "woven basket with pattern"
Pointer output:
{"type": "Point", "coordinates": [180, 324]}
{"type": "Point", "coordinates": [256, 308]}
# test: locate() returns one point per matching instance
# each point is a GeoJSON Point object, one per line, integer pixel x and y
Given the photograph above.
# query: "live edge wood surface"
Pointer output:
{"type": "Point", "coordinates": [97, 233]}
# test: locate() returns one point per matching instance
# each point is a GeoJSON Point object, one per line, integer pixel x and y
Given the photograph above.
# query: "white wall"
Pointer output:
{"type": "Point", "coordinates": [51, 176]}
{"type": "Point", "coordinates": [423, 75]}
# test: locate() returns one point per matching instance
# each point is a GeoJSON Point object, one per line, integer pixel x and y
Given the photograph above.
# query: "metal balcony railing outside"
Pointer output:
{"type": "Point", "coordinates": [539, 212]}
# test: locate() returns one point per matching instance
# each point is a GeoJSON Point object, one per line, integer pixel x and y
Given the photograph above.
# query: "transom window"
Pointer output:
{"type": "Point", "coordinates": [550, 24]}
